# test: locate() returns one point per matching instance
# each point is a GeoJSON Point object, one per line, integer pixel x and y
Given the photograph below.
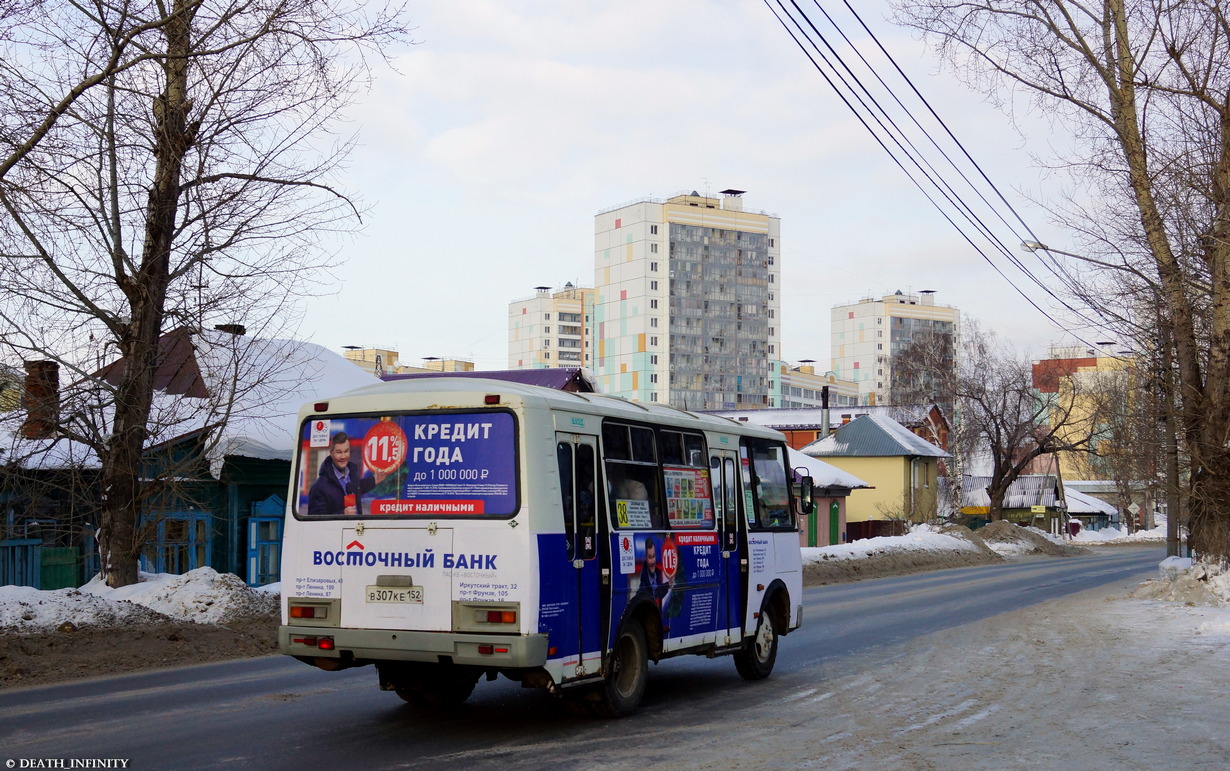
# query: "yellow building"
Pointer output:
{"type": "Point", "coordinates": [384, 361]}
{"type": "Point", "coordinates": [901, 468]}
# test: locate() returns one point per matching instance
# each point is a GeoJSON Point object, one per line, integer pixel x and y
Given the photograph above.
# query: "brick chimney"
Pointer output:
{"type": "Point", "coordinates": [41, 399]}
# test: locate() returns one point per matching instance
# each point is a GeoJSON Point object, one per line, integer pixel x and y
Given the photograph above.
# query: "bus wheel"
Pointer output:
{"type": "Point", "coordinates": [755, 661]}
{"type": "Point", "coordinates": [626, 674]}
{"type": "Point", "coordinates": [447, 691]}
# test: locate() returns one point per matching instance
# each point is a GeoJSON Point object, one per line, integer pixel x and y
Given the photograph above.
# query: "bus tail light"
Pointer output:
{"type": "Point", "coordinates": [486, 616]}
{"type": "Point", "coordinates": [488, 649]}
{"type": "Point", "coordinates": [323, 643]}
{"type": "Point", "coordinates": [496, 616]}
{"type": "Point", "coordinates": [491, 399]}
{"type": "Point", "coordinates": [309, 611]}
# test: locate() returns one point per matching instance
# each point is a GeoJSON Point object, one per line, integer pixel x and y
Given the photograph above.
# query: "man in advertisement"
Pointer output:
{"type": "Point", "coordinates": [653, 581]}
{"type": "Point", "coordinates": [340, 485]}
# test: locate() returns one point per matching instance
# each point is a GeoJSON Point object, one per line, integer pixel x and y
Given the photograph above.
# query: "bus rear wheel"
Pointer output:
{"type": "Point", "coordinates": [627, 672]}
{"type": "Point", "coordinates": [759, 654]}
{"type": "Point", "coordinates": [439, 691]}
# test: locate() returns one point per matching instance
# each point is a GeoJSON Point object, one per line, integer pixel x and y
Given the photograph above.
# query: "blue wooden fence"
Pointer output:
{"type": "Point", "coordinates": [21, 562]}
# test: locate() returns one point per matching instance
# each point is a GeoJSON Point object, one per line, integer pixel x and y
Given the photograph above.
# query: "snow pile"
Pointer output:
{"type": "Point", "coordinates": [1118, 536]}
{"type": "Point", "coordinates": [202, 596]}
{"type": "Point", "coordinates": [924, 538]}
{"type": "Point", "coordinates": [1007, 539]}
{"type": "Point", "coordinates": [24, 610]}
{"type": "Point", "coordinates": [1200, 584]}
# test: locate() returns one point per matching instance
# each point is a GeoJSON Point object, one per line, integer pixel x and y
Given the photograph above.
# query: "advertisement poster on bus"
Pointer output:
{"type": "Point", "coordinates": [679, 573]}
{"type": "Point", "coordinates": [461, 464]}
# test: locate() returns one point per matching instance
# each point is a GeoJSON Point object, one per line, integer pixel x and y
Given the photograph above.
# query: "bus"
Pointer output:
{"type": "Point", "coordinates": [450, 529]}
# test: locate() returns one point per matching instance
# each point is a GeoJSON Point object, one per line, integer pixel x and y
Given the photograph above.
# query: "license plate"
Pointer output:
{"type": "Point", "coordinates": [394, 594]}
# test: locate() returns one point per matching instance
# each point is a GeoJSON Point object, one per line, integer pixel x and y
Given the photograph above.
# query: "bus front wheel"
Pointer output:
{"type": "Point", "coordinates": [627, 673]}
{"type": "Point", "coordinates": [759, 654]}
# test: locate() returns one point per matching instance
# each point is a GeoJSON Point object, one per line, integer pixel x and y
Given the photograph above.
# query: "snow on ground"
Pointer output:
{"type": "Point", "coordinates": [202, 596]}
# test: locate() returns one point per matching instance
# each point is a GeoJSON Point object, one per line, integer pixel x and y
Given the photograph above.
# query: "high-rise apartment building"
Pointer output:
{"type": "Point", "coordinates": [687, 307]}
{"type": "Point", "coordinates": [868, 333]}
{"type": "Point", "coordinates": [551, 328]}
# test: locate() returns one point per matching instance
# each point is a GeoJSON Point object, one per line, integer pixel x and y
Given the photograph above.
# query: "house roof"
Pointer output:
{"type": "Point", "coordinates": [575, 379]}
{"type": "Point", "coordinates": [1080, 503]}
{"type": "Point", "coordinates": [194, 389]}
{"type": "Point", "coordinates": [786, 418]}
{"type": "Point", "coordinates": [871, 436]}
{"type": "Point", "coordinates": [1032, 490]}
{"type": "Point", "coordinates": [823, 474]}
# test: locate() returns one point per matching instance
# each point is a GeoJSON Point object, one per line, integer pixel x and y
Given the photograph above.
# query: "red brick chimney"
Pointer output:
{"type": "Point", "coordinates": [41, 399]}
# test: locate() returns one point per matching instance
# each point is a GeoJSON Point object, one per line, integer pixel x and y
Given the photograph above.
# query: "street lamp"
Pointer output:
{"type": "Point", "coordinates": [1033, 246]}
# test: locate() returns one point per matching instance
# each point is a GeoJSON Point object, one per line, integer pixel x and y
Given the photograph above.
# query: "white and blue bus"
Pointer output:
{"type": "Point", "coordinates": [449, 528]}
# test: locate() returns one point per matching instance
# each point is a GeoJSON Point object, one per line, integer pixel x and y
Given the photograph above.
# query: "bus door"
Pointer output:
{"type": "Point", "coordinates": [722, 465]}
{"type": "Point", "coordinates": [582, 568]}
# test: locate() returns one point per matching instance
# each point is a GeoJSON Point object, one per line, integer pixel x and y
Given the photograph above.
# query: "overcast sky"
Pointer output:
{"type": "Point", "coordinates": [511, 124]}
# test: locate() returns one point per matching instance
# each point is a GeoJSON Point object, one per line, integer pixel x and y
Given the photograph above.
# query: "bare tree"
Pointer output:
{"type": "Point", "coordinates": [163, 163]}
{"type": "Point", "coordinates": [1145, 87]}
{"type": "Point", "coordinates": [1000, 415]}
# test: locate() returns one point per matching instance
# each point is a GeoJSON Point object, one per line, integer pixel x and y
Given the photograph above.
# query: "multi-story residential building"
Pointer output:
{"type": "Point", "coordinates": [551, 328]}
{"type": "Point", "coordinates": [688, 304]}
{"type": "Point", "coordinates": [382, 360]}
{"type": "Point", "coordinates": [868, 333]}
{"type": "Point", "coordinates": [801, 386]}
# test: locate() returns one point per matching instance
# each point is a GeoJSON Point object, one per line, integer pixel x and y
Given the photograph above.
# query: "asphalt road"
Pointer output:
{"type": "Point", "coordinates": [279, 713]}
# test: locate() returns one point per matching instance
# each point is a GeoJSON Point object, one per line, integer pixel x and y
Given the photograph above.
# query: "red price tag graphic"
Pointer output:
{"type": "Point", "coordinates": [670, 558]}
{"type": "Point", "coordinates": [384, 447]}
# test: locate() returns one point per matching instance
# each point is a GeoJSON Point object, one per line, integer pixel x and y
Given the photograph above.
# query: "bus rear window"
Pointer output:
{"type": "Point", "coordinates": [429, 465]}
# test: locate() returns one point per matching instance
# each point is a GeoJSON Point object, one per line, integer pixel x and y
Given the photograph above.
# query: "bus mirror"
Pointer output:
{"type": "Point", "coordinates": [805, 490]}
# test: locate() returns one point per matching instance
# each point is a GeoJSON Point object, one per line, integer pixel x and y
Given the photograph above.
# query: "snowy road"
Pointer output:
{"type": "Point", "coordinates": [1000, 667]}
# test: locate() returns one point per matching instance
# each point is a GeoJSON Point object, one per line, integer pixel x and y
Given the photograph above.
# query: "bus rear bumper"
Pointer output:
{"type": "Point", "coordinates": [364, 645]}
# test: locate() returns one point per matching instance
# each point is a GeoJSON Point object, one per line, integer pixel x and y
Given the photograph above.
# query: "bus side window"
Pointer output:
{"type": "Point", "coordinates": [731, 484]}
{"type": "Point", "coordinates": [587, 503]}
{"type": "Point", "coordinates": [563, 453]}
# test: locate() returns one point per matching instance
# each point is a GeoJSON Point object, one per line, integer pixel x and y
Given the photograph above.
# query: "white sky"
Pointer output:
{"type": "Point", "coordinates": [512, 123]}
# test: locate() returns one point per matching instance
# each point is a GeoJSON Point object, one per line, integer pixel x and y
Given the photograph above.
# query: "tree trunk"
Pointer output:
{"type": "Point", "coordinates": [146, 294]}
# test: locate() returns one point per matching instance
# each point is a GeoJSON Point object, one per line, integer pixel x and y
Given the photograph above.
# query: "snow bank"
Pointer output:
{"type": "Point", "coordinates": [202, 596]}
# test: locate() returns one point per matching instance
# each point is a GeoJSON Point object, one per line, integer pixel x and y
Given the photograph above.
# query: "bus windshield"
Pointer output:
{"type": "Point", "coordinates": [408, 465]}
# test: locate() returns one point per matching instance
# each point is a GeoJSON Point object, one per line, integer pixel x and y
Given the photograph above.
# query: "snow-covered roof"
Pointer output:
{"type": "Point", "coordinates": [873, 436]}
{"type": "Point", "coordinates": [784, 418]}
{"type": "Point", "coordinates": [260, 405]}
{"type": "Point", "coordinates": [823, 474]}
{"type": "Point", "coordinates": [1080, 503]}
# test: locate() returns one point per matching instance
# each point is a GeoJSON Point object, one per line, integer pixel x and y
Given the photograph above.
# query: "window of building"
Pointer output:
{"type": "Point", "coordinates": [653, 321]}
{"type": "Point", "coordinates": [653, 266]}
{"type": "Point", "coordinates": [653, 248]}
{"type": "Point", "coordinates": [772, 331]}
{"type": "Point", "coordinates": [546, 317]}
{"type": "Point", "coordinates": [771, 240]}
{"type": "Point", "coordinates": [772, 349]}
{"type": "Point", "coordinates": [546, 330]}
{"type": "Point", "coordinates": [546, 354]}
{"type": "Point", "coordinates": [653, 359]}
{"type": "Point", "coordinates": [770, 259]}
{"type": "Point", "coordinates": [879, 346]}
{"type": "Point", "coordinates": [653, 285]}
{"type": "Point", "coordinates": [653, 397]}
{"type": "Point", "coordinates": [546, 343]}
{"type": "Point", "coordinates": [653, 341]}
{"type": "Point", "coordinates": [653, 230]}
{"type": "Point", "coordinates": [770, 278]}
{"type": "Point", "coordinates": [770, 311]}
{"type": "Point", "coordinates": [653, 304]}
{"type": "Point", "coordinates": [653, 377]}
